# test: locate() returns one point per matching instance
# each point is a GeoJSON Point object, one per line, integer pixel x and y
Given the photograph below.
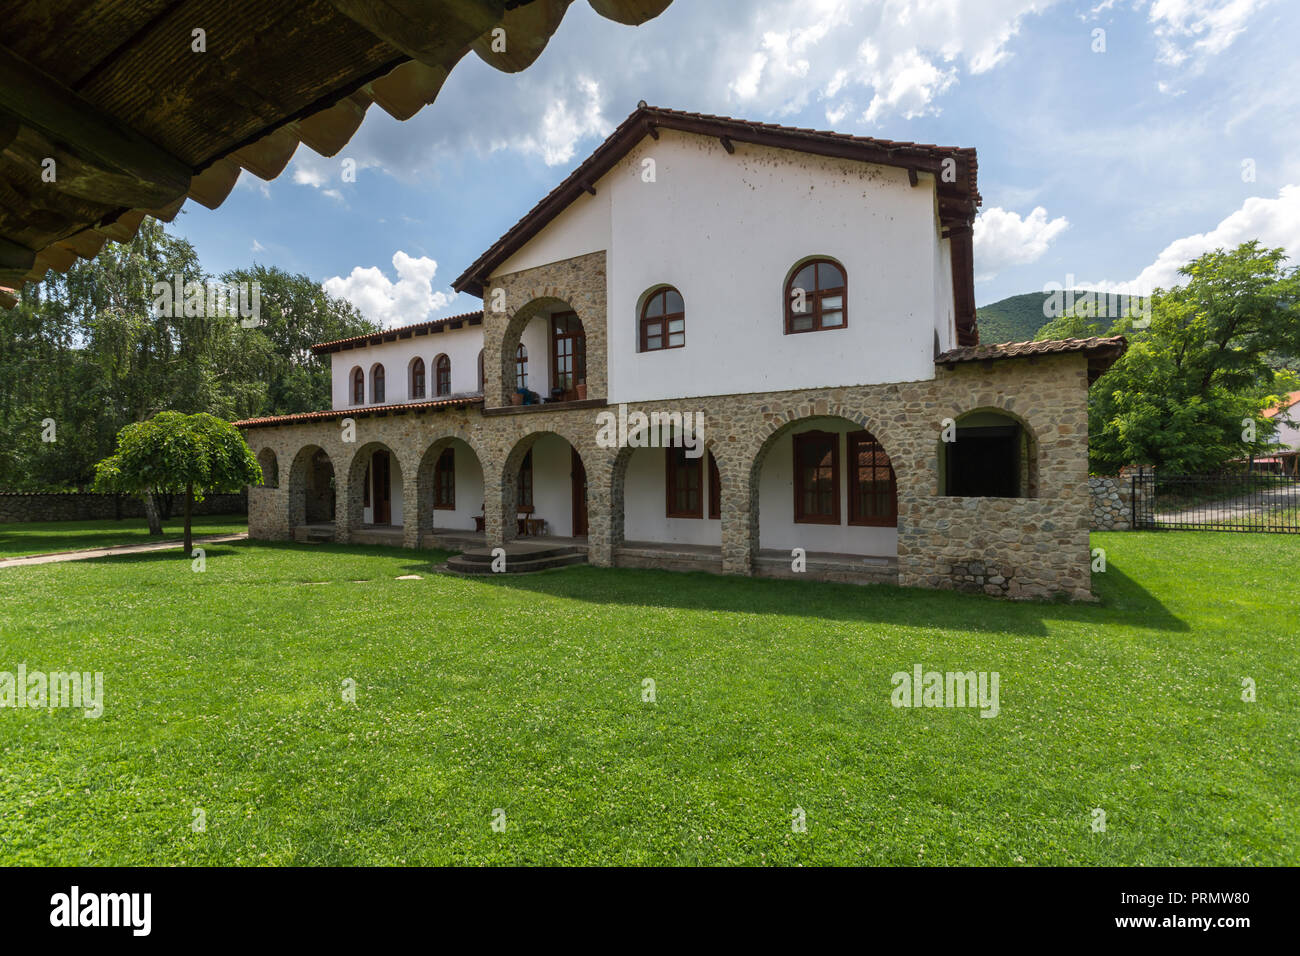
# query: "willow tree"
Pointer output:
{"type": "Point", "coordinates": [174, 453]}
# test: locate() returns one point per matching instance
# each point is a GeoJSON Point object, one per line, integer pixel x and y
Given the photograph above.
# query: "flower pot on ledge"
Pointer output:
{"type": "Point", "coordinates": [582, 392]}
{"type": "Point", "coordinates": [516, 399]}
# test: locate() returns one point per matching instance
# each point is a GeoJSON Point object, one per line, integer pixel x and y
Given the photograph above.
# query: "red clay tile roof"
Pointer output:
{"type": "Point", "coordinates": [1287, 402]}
{"type": "Point", "coordinates": [455, 401]}
{"type": "Point", "coordinates": [400, 332]}
{"type": "Point", "coordinates": [1102, 351]}
{"type": "Point", "coordinates": [958, 201]}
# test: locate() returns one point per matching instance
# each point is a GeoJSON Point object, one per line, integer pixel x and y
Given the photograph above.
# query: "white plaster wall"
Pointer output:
{"type": "Point", "coordinates": [469, 493]}
{"type": "Point", "coordinates": [726, 230]}
{"type": "Point", "coordinates": [582, 228]}
{"type": "Point", "coordinates": [645, 503]}
{"type": "Point", "coordinates": [552, 488]}
{"type": "Point", "coordinates": [945, 317]}
{"type": "Point", "coordinates": [536, 339]}
{"type": "Point", "coordinates": [1289, 435]}
{"type": "Point", "coordinates": [777, 527]}
{"type": "Point", "coordinates": [460, 345]}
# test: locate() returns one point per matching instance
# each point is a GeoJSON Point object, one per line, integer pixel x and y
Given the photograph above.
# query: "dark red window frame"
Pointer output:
{"type": "Point", "coordinates": [813, 316]}
{"type": "Point", "coordinates": [417, 378]}
{"type": "Point", "coordinates": [442, 374]}
{"type": "Point", "coordinates": [521, 366]}
{"type": "Point", "coordinates": [876, 506]}
{"type": "Point", "coordinates": [684, 487]}
{"type": "Point", "coordinates": [358, 386]}
{"type": "Point", "coordinates": [658, 331]}
{"type": "Point", "coordinates": [524, 484]}
{"type": "Point", "coordinates": [817, 478]}
{"type": "Point", "coordinates": [377, 384]}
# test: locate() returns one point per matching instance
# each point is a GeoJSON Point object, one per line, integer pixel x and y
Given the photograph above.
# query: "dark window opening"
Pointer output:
{"type": "Point", "coordinates": [984, 462]}
{"type": "Point", "coordinates": [684, 484]}
{"type": "Point", "coordinates": [442, 369]}
{"type": "Point", "coordinates": [417, 379]}
{"type": "Point", "coordinates": [524, 487]}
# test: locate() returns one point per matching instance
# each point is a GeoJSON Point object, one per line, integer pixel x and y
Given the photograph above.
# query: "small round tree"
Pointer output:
{"type": "Point", "coordinates": [172, 453]}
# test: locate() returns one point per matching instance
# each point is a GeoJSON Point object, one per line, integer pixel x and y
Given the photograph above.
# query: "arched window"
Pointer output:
{"type": "Point", "coordinates": [815, 297]}
{"type": "Point", "coordinates": [442, 371]}
{"type": "Point", "coordinates": [990, 455]}
{"type": "Point", "coordinates": [270, 468]}
{"type": "Point", "coordinates": [521, 366]}
{"type": "Point", "coordinates": [417, 378]}
{"type": "Point", "coordinates": [377, 384]}
{"type": "Point", "coordinates": [444, 480]}
{"type": "Point", "coordinates": [480, 370]}
{"type": "Point", "coordinates": [358, 386]}
{"type": "Point", "coordinates": [663, 321]}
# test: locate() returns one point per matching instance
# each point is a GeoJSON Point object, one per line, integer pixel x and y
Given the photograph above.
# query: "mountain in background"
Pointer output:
{"type": "Point", "coordinates": [1019, 318]}
{"type": "Point", "coordinates": [1016, 318]}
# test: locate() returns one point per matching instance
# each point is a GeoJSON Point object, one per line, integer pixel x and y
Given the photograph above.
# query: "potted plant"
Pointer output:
{"type": "Point", "coordinates": [517, 398]}
{"type": "Point", "coordinates": [582, 390]}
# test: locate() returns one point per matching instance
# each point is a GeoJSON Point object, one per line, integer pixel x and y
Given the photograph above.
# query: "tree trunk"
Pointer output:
{"type": "Point", "coordinates": [151, 514]}
{"type": "Point", "coordinates": [189, 508]}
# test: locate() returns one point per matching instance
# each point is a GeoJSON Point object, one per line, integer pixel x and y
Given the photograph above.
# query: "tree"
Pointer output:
{"type": "Point", "coordinates": [1191, 388]}
{"type": "Point", "coordinates": [172, 452]}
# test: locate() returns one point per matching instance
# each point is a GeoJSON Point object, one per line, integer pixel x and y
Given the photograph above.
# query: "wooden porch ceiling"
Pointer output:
{"type": "Point", "coordinates": [136, 120]}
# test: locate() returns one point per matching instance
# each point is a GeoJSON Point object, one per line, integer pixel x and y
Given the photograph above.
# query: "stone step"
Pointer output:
{"type": "Point", "coordinates": [516, 552]}
{"type": "Point", "coordinates": [518, 564]}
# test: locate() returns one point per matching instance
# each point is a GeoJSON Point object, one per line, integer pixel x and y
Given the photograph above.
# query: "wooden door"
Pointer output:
{"type": "Point", "coordinates": [579, 481]}
{"type": "Point", "coordinates": [568, 354]}
{"type": "Point", "coordinates": [382, 493]}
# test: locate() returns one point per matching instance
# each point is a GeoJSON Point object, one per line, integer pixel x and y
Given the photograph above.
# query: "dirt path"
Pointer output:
{"type": "Point", "coordinates": [115, 549]}
{"type": "Point", "coordinates": [1244, 508]}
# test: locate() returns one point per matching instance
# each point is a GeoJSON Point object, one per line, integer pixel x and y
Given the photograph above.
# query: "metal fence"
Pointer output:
{"type": "Point", "coordinates": [1240, 502]}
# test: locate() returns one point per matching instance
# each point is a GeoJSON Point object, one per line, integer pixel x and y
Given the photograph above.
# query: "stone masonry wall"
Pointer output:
{"type": "Point", "coordinates": [1112, 503]}
{"type": "Point", "coordinates": [1014, 547]}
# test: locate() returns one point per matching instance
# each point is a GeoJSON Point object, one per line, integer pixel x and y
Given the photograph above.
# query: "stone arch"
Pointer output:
{"type": "Point", "coordinates": [500, 346]}
{"type": "Point", "coordinates": [424, 514]}
{"type": "Point", "coordinates": [312, 478]}
{"type": "Point", "coordinates": [745, 536]}
{"type": "Point", "coordinates": [1000, 407]}
{"type": "Point", "coordinates": [500, 484]}
{"type": "Point", "coordinates": [617, 478]}
{"type": "Point", "coordinates": [356, 483]}
{"type": "Point", "coordinates": [270, 467]}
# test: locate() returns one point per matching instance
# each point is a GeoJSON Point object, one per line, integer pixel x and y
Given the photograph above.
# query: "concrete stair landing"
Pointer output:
{"type": "Point", "coordinates": [521, 558]}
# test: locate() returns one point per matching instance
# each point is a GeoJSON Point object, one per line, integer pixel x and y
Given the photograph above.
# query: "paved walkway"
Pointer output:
{"type": "Point", "coordinates": [116, 549]}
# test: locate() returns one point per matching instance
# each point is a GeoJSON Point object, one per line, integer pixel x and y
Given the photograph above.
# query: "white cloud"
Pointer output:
{"type": "Point", "coordinates": [410, 299]}
{"type": "Point", "coordinates": [882, 59]}
{"type": "Point", "coordinates": [258, 247]}
{"type": "Point", "coordinates": [1192, 30]}
{"type": "Point", "coordinates": [1003, 238]}
{"type": "Point", "coordinates": [1275, 222]}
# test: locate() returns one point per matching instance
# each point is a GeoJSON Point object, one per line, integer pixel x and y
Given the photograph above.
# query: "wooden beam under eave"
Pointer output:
{"type": "Point", "coordinates": [96, 157]}
{"type": "Point", "coordinates": [431, 31]}
{"type": "Point", "coordinates": [211, 187]}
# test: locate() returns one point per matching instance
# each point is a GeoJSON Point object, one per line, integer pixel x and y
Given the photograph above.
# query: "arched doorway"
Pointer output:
{"type": "Point", "coordinates": [311, 489]}
{"type": "Point", "coordinates": [554, 349]}
{"type": "Point", "coordinates": [544, 488]}
{"type": "Point", "coordinates": [375, 489]}
{"type": "Point", "coordinates": [826, 485]}
{"type": "Point", "coordinates": [450, 503]}
{"type": "Point", "coordinates": [988, 453]}
{"type": "Point", "coordinates": [667, 498]}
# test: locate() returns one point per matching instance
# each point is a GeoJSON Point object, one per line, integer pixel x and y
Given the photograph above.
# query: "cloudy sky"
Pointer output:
{"type": "Point", "coordinates": [1116, 138]}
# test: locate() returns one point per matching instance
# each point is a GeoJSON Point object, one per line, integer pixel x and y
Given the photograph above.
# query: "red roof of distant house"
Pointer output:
{"type": "Point", "coordinates": [1287, 402]}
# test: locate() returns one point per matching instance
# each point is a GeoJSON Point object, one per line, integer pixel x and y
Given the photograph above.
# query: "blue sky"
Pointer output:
{"type": "Point", "coordinates": [1110, 165]}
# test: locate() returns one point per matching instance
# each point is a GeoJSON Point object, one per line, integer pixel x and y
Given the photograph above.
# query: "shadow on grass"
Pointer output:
{"type": "Point", "coordinates": [1123, 601]}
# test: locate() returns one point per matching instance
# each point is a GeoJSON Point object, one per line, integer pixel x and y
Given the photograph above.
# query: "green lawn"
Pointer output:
{"type": "Point", "coordinates": [223, 693]}
{"type": "Point", "coordinates": [39, 537]}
